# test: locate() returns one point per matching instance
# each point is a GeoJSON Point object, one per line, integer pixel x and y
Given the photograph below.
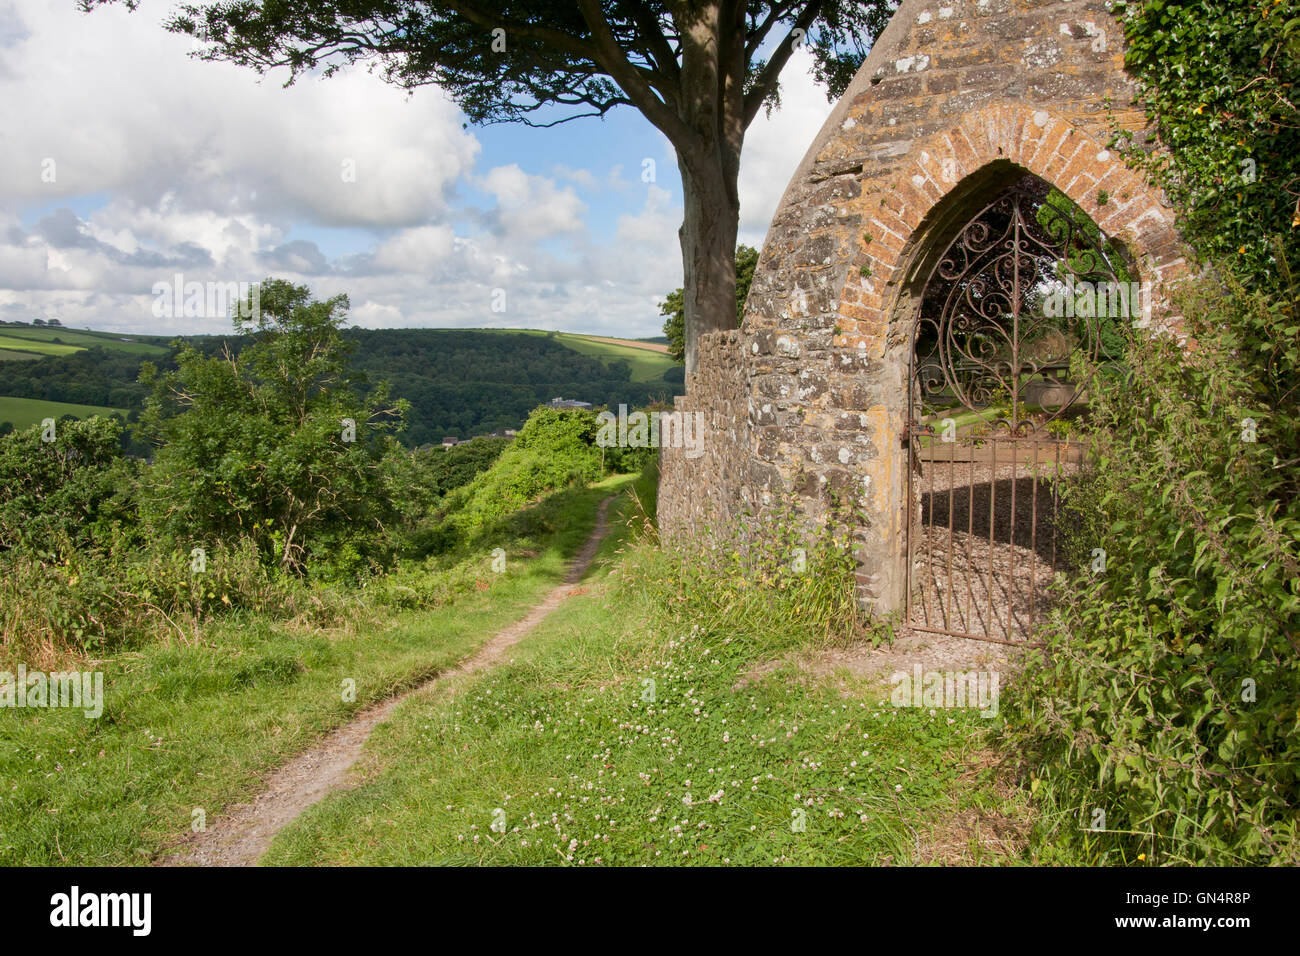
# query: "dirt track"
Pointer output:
{"type": "Point", "coordinates": [242, 835]}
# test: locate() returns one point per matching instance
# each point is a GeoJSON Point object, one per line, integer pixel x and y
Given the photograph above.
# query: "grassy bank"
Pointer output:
{"type": "Point", "coordinates": [189, 727]}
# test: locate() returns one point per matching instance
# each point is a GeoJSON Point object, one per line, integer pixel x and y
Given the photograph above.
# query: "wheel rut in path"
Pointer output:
{"type": "Point", "coordinates": [242, 835]}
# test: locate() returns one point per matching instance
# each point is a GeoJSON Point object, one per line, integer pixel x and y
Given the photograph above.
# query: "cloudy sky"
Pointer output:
{"type": "Point", "coordinates": [124, 163]}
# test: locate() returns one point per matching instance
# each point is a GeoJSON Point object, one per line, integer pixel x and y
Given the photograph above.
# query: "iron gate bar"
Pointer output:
{"type": "Point", "coordinates": [984, 334]}
{"type": "Point", "coordinates": [1033, 538]}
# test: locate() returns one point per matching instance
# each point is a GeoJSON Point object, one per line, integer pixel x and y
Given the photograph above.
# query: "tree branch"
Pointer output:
{"type": "Point", "coordinates": [610, 56]}
{"type": "Point", "coordinates": [769, 76]}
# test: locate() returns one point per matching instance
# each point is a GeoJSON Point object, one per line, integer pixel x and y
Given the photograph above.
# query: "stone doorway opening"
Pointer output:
{"type": "Point", "coordinates": [1026, 301]}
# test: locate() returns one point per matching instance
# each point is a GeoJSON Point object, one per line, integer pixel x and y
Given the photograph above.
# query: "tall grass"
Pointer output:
{"type": "Point", "coordinates": [772, 582]}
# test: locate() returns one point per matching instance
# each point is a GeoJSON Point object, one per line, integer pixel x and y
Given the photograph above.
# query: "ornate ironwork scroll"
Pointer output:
{"type": "Point", "coordinates": [1027, 284]}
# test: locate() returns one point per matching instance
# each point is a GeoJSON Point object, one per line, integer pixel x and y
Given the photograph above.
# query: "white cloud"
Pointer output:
{"type": "Point", "coordinates": [533, 207]}
{"type": "Point", "coordinates": [418, 250]}
{"type": "Point", "coordinates": [117, 105]}
{"type": "Point", "coordinates": [657, 221]}
{"type": "Point", "coordinates": [179, 166]}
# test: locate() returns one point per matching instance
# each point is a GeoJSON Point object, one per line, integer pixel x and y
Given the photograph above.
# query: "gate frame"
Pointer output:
{"type": "Point", "coordinates": [938, 245]}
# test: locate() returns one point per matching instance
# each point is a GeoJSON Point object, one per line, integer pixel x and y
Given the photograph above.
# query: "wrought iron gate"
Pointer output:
{"type": "Point", "coordinates": [1002, 352]}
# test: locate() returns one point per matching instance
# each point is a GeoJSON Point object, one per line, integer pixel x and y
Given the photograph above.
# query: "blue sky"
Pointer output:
{"type": "Point", "coordinates": [124, 163]}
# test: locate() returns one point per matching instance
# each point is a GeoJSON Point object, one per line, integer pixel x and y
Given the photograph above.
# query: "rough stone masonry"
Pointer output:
{"type": "Point", "coordinates": [958, 99]}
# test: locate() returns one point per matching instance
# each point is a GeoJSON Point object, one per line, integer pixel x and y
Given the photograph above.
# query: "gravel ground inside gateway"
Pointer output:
{"type": "Point", "coordinates": [970, 578]}
{"type": "Point", "coordinates": [985, 546]}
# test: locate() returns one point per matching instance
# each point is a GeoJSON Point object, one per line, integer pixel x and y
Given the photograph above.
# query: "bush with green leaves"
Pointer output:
{"type": "Point", "coordinates": [418, 480]}
{"type": "Point", "coordinates": [274, 443]}
{"type": "Point", "coordinates": [1218, 80]}
{"type": "Point", "coordinates": [555, 448]}
{"type": "Point", "coordinates": [1167, 695]}
{"type": "Point", "coordinates": [73, 491]}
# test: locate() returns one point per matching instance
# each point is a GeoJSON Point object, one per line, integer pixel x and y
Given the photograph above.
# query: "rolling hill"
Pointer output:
{"type": "Point", "coordinates": [460, 382]}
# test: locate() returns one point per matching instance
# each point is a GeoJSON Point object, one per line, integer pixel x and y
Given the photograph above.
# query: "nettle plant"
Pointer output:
{"type": "Point", "coordinates": [1167, 694]}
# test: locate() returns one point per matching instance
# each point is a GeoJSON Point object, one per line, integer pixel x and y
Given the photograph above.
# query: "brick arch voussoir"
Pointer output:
{"type": "Point", "coordinates": [1094, 176]}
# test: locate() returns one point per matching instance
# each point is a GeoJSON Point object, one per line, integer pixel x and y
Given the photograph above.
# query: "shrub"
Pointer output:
{"type": "Point", "coordinates": [257, 444]}
{"type": "Point", "coordinates": [555, 448]}
{"type": "Point", "coordinates": [1167, 693]}
{"type": "Point", "coordinates": [1230, 122]}
{"type": "Point", "coordinates": [73, 492]}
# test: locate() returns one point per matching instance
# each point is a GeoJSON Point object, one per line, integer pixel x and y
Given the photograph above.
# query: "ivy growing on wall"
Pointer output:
{"type": "Point", "coordinates": [1218, 80]}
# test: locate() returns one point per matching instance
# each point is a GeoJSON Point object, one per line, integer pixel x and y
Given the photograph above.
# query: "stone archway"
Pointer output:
{"type": "Point", "coordinates": [956, 99]}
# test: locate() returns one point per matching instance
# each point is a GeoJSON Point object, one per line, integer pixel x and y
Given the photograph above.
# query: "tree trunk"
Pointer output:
{"type": "Point", "coordinates": [708, 240]}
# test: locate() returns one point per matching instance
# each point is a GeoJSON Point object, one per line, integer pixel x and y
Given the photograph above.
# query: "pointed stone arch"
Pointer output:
{"type": "Point", "coordinates": [957, 98]}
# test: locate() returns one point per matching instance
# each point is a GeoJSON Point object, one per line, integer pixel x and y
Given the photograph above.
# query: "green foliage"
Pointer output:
{"type": "Point", "coordinates": [1167, 694]}
{"type": "Point", "coordinates": [418, 480]}
{"type": "Point", "coordinates": [555, 448]}
{"type": "Point", "coordinates": [73, 492]}
{"type": "Point", "coordinates": [256, 444]}
{"type": "Point", "coordinates": [1230, 119]}
{"type": "Point", "coordinates": [673, 305]}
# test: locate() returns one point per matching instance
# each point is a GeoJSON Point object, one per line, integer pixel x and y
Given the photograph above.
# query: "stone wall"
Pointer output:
{"type": "Point", "coordinates": [713, 489]}
{"type": "Point", "coordinates": [958, 99]}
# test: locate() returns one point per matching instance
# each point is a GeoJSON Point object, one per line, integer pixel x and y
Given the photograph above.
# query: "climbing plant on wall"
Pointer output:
{"type": "Point", "coordinates": [1230, 120]}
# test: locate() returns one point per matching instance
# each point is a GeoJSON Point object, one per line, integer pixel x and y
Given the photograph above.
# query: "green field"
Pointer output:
{"type": "Point", "coordinates": [36, 346]}
{"type": "Point", "coordinates": [41, 340]}
{"type": "Point", "coordinates": [647, 364]}
{"type": "Point", "coordinates": [25, 412]}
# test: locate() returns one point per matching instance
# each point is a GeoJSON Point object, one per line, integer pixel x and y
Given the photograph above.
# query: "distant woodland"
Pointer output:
{"type": "Point", "coordinates": [459, 383]}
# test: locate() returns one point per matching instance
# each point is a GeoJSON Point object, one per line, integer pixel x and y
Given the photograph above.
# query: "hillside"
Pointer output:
{"type": "Point", "coordinates": [460, 382]}
{"type": "Point", "coordinates": [29, 342]}
{"type": "Point", "coordinates": [22, 412]}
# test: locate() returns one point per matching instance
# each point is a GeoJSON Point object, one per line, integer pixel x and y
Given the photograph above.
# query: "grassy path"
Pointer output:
{"type": "Point", "coordinates": [622, 733]}
{"type": "Point", "coordinates": [242, 836]}
{"type": "Point", "coordinates": [188, 731]}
